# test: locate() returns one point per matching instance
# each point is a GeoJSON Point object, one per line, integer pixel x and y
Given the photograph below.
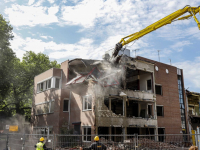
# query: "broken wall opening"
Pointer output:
{"type": "Point", "coordinates": [103, 131]}
{"type": "Point", "coordinates": [132, 109]}
{"type": "Point", "coordinates": [138, 80]}
{"type": "Point", "coordinates": [132, 130]}
{"type": "Point", "coordinates": [115, 131]}
{"type": "Point", "coordinates": [116, 105]}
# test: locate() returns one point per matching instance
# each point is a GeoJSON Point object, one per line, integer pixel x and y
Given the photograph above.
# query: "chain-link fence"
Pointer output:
{"type": "Point", "coordinates": [112, 142]}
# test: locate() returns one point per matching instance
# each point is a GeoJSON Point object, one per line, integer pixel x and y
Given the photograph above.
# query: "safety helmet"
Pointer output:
{"type": "Point", "coordinates": [41, 139]}
{"type": "Point", "coordinates": [96, 138]}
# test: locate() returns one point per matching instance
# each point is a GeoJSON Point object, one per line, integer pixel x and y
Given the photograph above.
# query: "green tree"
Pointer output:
{"type": "Point", "coordinates": [7, 58]}
{"type": "Point", "coordinates": [22, 81]}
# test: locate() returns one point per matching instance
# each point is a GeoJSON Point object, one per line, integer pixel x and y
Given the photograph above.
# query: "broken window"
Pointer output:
{"type": "Point", "coordinates": [158, 89]}
{"type": "Point", "coordinates": [149, 84]}
{"type": "Point", "coordinates": [160, 111]}
{"type": "Point", "coordinates": [87, 102]}
{"type": "Point", "coordinates": [66, 105]}
{"type": "Point", "coordinates": [87, 133]}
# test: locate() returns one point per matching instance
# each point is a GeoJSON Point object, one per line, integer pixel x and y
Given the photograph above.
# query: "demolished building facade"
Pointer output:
{"type": "Point", "coordinates": [97, 97]}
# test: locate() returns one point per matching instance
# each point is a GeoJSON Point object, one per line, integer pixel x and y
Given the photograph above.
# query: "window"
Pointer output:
{"type": "Point", "coordinates": [48, 84]}
{"type": "Point", "coordinates": [66, 105]}
{"type": "Point", "coordinates": [149, 84]}
{"type": "Point", "coordinates": [45, 107]}
{"type": "Point", "coordinates": [57, 85]}
{"type": "Point", "coordinates": [158, 89]}
{"type": "Point", "coordinates": [40, 87]}
{"type": "Point", "coordinates": [160, 111]}
{"type": "Point", "coordinates": [53, 82]}
{"type": "Point", "coordinates": [87, 133]}
{"type": "Point", "coordinates": [87, 102]}
{"type": "Point", "coordinates": [44, 85]}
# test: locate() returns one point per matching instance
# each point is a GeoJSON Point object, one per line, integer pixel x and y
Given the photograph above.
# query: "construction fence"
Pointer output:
{"type": "Point", "coordinates": [112, 142]}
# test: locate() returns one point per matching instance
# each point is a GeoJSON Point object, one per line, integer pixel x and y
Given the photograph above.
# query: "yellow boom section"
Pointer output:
{"type": "Point", "coordinates": [167, 20]}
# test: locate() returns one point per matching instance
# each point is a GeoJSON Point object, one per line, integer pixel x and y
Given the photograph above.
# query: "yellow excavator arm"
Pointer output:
{"type": "Point", "coordinates": [162, 22]}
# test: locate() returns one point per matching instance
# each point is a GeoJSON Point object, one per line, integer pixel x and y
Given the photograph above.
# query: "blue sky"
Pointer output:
{"type": "Point", "coordinates": [67, 29]}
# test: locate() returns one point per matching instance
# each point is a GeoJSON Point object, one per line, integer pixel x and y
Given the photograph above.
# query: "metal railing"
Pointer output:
{"type": "Point", "coordinates": [112, 142]}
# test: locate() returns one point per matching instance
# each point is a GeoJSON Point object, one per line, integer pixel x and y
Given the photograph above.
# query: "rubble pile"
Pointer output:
{"type": "Point", "coordinates": [104, 112]}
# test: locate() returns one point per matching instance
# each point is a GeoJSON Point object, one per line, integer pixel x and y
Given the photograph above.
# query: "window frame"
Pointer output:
{"type": "Point", "coordinates": [49, 112]}
{"type": "Point", "coordinates": [58, 82]}
{"type": "Point", "coordinates": [83, 103]}
{"type": "Point", "coordinates": [83, 127]}
{"type": "Point", "coordinates": [64, 105]}
{"type": "Point", "coordinates": [161, 89]}
{"type": "Point", "coordinates": [162, 110]}
{"type": "Point", "coordinates": [45, 85]}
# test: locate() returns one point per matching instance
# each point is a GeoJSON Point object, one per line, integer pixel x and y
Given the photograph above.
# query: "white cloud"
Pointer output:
{"type": "Point", "coordinates": [31, 15]}
{"type": "Point", "coordinates": [6, 1]}
{"type": "Point", "coordinates": [30, 2]}
{"type": "Point", "coordinates": [191, 73]}
{"type": "Point", "coordinates": [79, 49]}
{"type": "Point", "coordinates": [46, 37]}
{"type": "Point", "coordinates": [51, 1]}
{"type": "Point", "coordinates": [179, 45]}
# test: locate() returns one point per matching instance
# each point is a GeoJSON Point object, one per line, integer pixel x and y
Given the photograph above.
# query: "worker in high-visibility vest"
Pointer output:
{"type": "Point", "coordinates": [96, 145]}
{"type": "Point", "coordinates": [40, 145]}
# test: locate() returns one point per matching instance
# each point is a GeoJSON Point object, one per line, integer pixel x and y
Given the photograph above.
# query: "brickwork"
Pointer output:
{"type": "Point", "coordinates": [171, 120]}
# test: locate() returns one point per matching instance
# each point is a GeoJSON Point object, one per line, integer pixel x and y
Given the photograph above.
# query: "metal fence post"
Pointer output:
{"type": "Point", "coordinates": [7, 141]}
{"type": "Point", "coordinates": [23, 142]}
{"type": "Point", "coordinates": [134, 142]}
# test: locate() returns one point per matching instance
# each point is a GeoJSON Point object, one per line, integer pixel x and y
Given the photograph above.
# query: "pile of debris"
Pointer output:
{"type": "Point", "coordinates": [142, 144]}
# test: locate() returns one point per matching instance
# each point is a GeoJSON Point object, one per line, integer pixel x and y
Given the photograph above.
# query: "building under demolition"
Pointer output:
{"type": "Point", "coordinates": [193, 99]}
{"type": "Point", "coordinates": [131, 96]}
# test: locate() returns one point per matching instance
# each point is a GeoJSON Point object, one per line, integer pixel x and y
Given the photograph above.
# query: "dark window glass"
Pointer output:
{"type": "Point", "coordinates": [160, 111]}
{"type": "Point", "coordinates": [158, 89]}
{"type": "Point", "coordinates": [148, 84]}
{"type": "Point", "coordinates": [66, 104]}
{"type": "Point", "coordinates": [41, 86]}
{"type": "Point", "coordinates": [150, 110]}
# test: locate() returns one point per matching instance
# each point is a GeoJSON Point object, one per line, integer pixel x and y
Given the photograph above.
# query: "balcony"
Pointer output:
{"type": "Point", "coordinates": [126, 122]}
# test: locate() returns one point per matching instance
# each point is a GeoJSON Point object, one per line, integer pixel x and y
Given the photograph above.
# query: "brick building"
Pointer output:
{"type": "Point", "coordinates": [136, 95]}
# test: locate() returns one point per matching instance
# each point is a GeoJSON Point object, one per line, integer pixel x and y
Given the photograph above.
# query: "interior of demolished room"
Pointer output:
{"type": "Point", "coordinates": [138, 80]}
{"type": "Point", "coordinates": [132, 108]}
{"type": "Point", "coordinates": [106, 131]}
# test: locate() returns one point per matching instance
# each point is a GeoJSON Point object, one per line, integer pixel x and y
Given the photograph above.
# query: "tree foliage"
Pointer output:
{"type": "Point", "coordinates": [22, 81]}
{"type": "Point", "coordinates": [7, 58]}
{"type": "Point", "coordinates": [17, 77]}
